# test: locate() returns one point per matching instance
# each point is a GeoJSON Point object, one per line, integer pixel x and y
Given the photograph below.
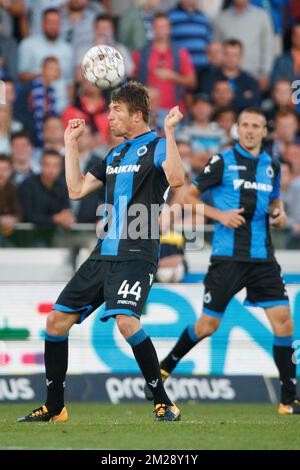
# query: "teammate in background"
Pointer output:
{"type": "Point", "coordinates": [121, 269]}
{"type": "Point", "coordinates": [245, 183]}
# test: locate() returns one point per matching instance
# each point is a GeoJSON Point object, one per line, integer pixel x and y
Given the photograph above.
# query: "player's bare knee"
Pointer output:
{"type": "Point", "coordinates": [284, 327]}
{"type": "Point", "coordinates": [58, 324]}
{"type": "Point", "coordinates": [206, 326]}
{"type": "Point", "coordinates": [127, 325]}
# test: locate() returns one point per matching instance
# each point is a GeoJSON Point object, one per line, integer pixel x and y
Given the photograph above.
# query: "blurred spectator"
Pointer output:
{"type": "Point", "coordinates": [8, 126]}
{"type": "Point", "coordinates": [35, 10]}
{"type": "Point", "coordinates": [77, 22]}
{"type": "Point", "coordinates": [10, 92]}
{"type": "Point", "coordinates": [191, 29]}
{"type": "Point", "coordinates": [226, 119]}
{"type": "Point", "coordinates": [281, 100]}
{"type": "Point", "coordinates": [244, 86]}
{"type": "Point", "coordinates": [13, 19]}
{"type": "Point", "coordinates": [294, 10]}
{"type": "Point", "coordinates": [135, 25]}
{"type": "Point", "coordinates": [6, 22]}
{"type": "Point", "coordinates": [290, 194]}
{"type": "Point", "coordinates": [292, 157]}
{"type": "Point", "coordinates": [185, 151]}
{"type": "Point", "coordinates": [222, 95]}
{"type": "Point", "coordinates": [92, 107]}
{"type": "Point", "coordinates": [163, 65]}
{"type": "Point", "coordinates": [44, 197]}
{"type": "Point", "coordinates": [9, 206]}
{"type": "Point", "coordinates": [85, 209]}
{"type": "Point", "coordinates": [252, 26]}
{"type": "Point", "coordinates": [34, 49]}
{"type": "Point", "coordinates": [285, 132]}
{"type": "Point", "coordinates": [157, 114]}
{"type": "Point", "coordinates": [274, 8]}
{"type": "Point", "coordinates": [288, 64]}
{"type": "Point", "coordinates": [42, 96]}
{"type": "Point", "coordinates": [54, 134]}
{"type": "Point", "coordinates": [214, 54]}
{"type": "Point", "coordinates": [104, 33]}
{"type": "Point", "coordinates": [211, 8]}
{"type": "Point", "coordinates": [8, 58]}
{"type": "Point", "coordinates": [205, 137]}
{"type": "Point", "coordinates": [285, 179]}
{"type": "Point", "coordinates": [22, 157]}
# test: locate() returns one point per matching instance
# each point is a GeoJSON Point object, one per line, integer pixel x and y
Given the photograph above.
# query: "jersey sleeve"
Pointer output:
{"type": "Point", "coordinates": [211, 175]}
{"type": "Point", "coordinates": [275, 194]}
{"type": "Point", "coordinates": [160, 153]}
{"type": "Point", "coordinates": [99, 171]}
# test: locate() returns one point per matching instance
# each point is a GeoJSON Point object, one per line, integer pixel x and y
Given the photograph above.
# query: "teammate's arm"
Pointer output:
{"type": "Point", "coordinates": [78, 184]}
{"type": "Point", "coordinates": [276, 209]}
{"type": "Point", "coordinates": [231, 218]}
{"type": "Point", "coordinates": [211, 176]}
{"type": "Point", "coordinates": [172, 165]}
{"type": "Point", "coordinates": [278, 216]}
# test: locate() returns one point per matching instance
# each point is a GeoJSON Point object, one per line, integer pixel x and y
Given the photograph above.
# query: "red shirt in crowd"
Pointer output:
{"type": "Point", "coordinates": [159, 60]}
{"type": "Point", "coordinates": [97, 118]}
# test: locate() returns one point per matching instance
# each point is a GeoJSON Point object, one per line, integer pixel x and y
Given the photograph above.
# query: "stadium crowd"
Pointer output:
{"type": "Point", "coordinates": [212, 57]}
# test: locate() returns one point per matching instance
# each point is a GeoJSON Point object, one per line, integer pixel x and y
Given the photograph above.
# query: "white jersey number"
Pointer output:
{"type": "Point", "coordinates": [135, 290]}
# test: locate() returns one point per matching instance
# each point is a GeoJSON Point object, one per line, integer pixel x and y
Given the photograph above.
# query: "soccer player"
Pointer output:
{"type": "Point", "coordinates": [121, 269]}
{"type": "Point", "coordinates": [245, 183]}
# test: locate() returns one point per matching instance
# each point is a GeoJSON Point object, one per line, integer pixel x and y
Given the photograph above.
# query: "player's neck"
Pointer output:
{"type": "Point", "coordinates": [254, 152]}
{"type": "Point", "coordinates": [136, 132]}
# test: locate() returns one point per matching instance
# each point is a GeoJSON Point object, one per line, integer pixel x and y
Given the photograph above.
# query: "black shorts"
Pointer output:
{"type": "Point", "coordinates": [263, 282]}
{"type": "Point", "coordinates": [123, 285]}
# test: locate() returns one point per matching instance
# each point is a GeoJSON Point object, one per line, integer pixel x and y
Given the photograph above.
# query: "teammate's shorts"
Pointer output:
{"type": "Point", "coordinates": [123, 285]}
{"type": "Point", "coordinates": [263, 282]}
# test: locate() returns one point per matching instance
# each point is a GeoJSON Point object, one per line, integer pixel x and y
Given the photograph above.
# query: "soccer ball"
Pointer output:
{"type": "Point", "coordinates": [103, 66]}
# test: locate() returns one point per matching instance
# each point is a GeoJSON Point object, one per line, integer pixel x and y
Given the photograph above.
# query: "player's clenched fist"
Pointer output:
{"type": "Point", "coordinates": [74, 130]}
{"type": "Point", "coordinates": [233, 218]}
{"type": "Point", "coordinates": [173, 118]}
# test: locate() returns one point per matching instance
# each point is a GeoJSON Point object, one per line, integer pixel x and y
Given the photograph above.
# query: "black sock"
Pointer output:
{"type": "Point", "coordinates": [56, 364]}
{"type": "Point", "coordinates": [185, 343]}
{"type": "Point", "coordinates": [283, 352]}
{"type": "Point", "coordinates": [146, 357]}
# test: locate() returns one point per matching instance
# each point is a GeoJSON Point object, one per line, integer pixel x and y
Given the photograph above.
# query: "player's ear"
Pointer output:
{"type": "Point", "coordinates": [265, 132]}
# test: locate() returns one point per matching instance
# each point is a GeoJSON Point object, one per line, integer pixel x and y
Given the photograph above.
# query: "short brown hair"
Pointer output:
{"type": "Point", "coordinates": [4, 157]}
{"type": "Point", "coordinates": [282, 113]}
{"type": "Point", "coordinates": [233, 43]}
{"type": "Point", "coordinates": [135, 95]}
{"type": "Point", "coordinates": [253, 110]}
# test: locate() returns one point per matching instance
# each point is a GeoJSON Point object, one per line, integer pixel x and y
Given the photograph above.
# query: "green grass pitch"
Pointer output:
{"type": "Point", "coordinates": [106, 426]}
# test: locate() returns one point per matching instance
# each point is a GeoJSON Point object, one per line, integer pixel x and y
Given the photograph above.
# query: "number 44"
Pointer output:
{"type": "Point", "coordinates": [135, 290]}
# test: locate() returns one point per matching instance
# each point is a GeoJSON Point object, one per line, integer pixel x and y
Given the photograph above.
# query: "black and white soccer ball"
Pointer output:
{"type": "Point", "coordinates": [103, 66]}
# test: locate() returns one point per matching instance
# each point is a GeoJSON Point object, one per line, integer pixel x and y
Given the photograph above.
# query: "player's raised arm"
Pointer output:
{"type": "Point", "coordinates": [78, 184]}
{"type": "Point", "coordinates": [172, 165]}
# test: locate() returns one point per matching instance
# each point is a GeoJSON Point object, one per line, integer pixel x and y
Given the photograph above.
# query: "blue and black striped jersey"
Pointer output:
{"type": "Point", "coordinates": [135, 184]}
{"type": "Point", "coordinates": [237, 179]}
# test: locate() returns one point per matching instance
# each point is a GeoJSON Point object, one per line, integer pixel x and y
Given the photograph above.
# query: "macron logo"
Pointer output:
{"type": "Point", "coordinates": [237, 184]}
{"type": "Point", "coordinates": [122, 169]}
